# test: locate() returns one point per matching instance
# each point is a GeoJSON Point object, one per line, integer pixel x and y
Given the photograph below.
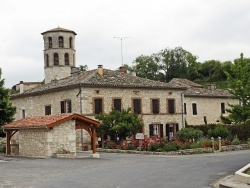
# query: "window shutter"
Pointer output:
{"type": "Point", "coordinates": [98, 106]}
{"type": "Point", "coordinates": [161, 130]}
{"type": "Point", "coordinates": [155, 105]}
{"type": "Point", "coordinates": [177, 127]}
{"type": "Point", "coordinates": [171, 106]}
{"type": "Point", "coordinates": [151, 130]}
{"type": "Point", "coordinates": [194, 108]}
{"type": "Point", "coordinates": [137, 106]}
{"type": "Point", "coordinates": [167, 131]}
{"type": "Point", "coordinates": [185, 108]}
{"type": "Point", "coordinates": [117, 104]}
{"type": "Point", "coordinates": [62, 107]}
{"type": "Point", "coordinates": [69, 106]}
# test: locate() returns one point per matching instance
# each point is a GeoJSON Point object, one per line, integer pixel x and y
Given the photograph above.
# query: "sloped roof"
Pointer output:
{"type": "Point", "coordinates": [202, 92]}
{"type": "Point", "coordinates": [47, 121]}
{"type": "Point", "coordinates": [59, 29]}
{"type": "Point", "coordinates": [91, 78]}
{"type": "Point", "coordinates": [185, 82]}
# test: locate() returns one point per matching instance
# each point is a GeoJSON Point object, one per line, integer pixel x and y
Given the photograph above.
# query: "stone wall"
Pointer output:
{"type": "Point", "coordinates": [32, 142]}
{"type": "Point", "coordinates": [35, 105]}
{"type": "Point", "coordinates": [209, 107]}
{"type": "Point", "coordinates": [61, 139]}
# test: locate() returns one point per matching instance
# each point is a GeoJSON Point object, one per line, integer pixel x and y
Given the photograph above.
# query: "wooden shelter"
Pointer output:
{"type": "Point", "coordinates": [49, 133]}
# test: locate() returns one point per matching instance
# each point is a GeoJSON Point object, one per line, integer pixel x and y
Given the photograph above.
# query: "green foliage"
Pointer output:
{"type": "Point", "coordinates": [186, 134]}
{"type": "Point", "coordinates": [241, 130]}
{"type": "Point", "coordinates": [219, 131]}
{"type": "Point", "coordinates": [83, 68]}
{"type": "Point", "coordinates": [7, 111]}
{"type": "Point", "coordinates": [203, 128]}
{"type": "Point", "coordinates": [235, 141]}
{"type": "Point", "coordinates": [123, 124]}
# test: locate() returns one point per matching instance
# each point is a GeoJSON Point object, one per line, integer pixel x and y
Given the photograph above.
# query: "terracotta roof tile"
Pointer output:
{"type": "Point", "coordinates": [185, 82]}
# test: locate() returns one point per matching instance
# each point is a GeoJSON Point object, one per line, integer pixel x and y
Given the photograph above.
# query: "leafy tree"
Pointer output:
{"type": "Point", "coordinates": [83, 68]}
{"type": "Point", "coordinates": [219, 131]}
{"type": "Point", "coordinates": [121, 123]}
{"type": "Point", "coordinates": [7, 111]}
{"type": "Point", "coordinates": [211, 70]}
{"type": "Point", "coordinates": [239, 83]}
{"type": "Point", "coordinates": [146, 67]}
{"type": "Point", "coordinates": [186, 134]}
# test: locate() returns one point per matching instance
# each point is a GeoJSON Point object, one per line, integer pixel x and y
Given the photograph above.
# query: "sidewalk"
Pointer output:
{"type": "Point", "coordinates": [230, 182]}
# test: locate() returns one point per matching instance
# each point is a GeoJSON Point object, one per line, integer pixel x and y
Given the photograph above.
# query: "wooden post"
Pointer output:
{"type": "Point", "coordinates": [8, 143]}
{"type": "Point", "coordinates": [94, 140]}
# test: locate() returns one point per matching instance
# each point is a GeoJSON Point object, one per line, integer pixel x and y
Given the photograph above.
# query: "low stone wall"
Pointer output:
{"type": "Point", "coordinates": [2, 145]}
{"type": "Point", "coordinates": [235, 147]}
{"type": "Point", "coordinates": [179, 152]}
{"type": "Point", "coordinates": [64, 155]}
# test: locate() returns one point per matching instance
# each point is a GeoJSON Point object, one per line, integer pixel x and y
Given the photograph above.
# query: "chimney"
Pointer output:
{"type": "Point", "coordinates": [123, 69]}
{"type": "Point", "coordinates": [21, 87]}
{"type": "Point", "coordinates": [100, 70]}
{"type": "Point", "coordinates": [133, 73]}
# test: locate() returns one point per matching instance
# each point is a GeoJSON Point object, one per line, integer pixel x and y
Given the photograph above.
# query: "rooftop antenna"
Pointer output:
{"type": "Point", "coordinates": [121, 45]}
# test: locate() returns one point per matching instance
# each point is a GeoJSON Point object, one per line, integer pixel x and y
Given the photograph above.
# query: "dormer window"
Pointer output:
{"type": "Point", "coordinates": [60, 42]}
{"type": "Point", "coordinates": [50, 42]}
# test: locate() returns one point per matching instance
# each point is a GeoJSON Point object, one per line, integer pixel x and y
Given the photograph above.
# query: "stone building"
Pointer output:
{"type": "Point", "coordinates": [204, 105]}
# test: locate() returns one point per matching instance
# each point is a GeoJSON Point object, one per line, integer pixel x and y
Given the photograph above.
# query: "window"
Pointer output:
{"type": "Point", "coordinates": [155, 106]}
{"type": "Point", "coordinates": [74, 59]}
{"type": "Point", "coordinates": [60, 42]}
{"type": "Point", "coordinates": [156, 130]}
{"type": "Point", "coordinates": [223, 111]}
{"type": "Point", "coordinates": [47, 110]}
{"type": "Point", "coordinates": [47, 60]}
{"type": "Point", "coordinates": [56, 59]}
{"type": "Point", "coordinates": [171, 130]}
{"type": "Point", "coordinates": [23, 114]}
{"type": "Point", "coordinates": [50, 42]}
{"type": "Point", "coordinates": [171, 106]}
{"type": "Point", "coordinates": [70, 42]}
{"type": "Point", "coordinates": [66, 59]}
{"type": "Point", "coordinates": [66, 106]}
{"type": "Point", "coordinates": [98, 106]}
{"type": "Point", "coordinates": [194, 106]}
{"type": "Point", "coordinates": [137, 106]}
{"type": "Point", "coordinates": [117, 104]}
{"type": "Point", "coordinates": [185, 108]}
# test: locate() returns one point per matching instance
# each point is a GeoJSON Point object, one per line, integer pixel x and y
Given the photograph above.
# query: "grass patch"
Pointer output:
{"type": "Point", "coordinates": [247, 171]}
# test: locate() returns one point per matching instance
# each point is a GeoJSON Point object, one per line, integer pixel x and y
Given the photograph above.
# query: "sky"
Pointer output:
{"type": "Point", "coordinates": [209, 29]}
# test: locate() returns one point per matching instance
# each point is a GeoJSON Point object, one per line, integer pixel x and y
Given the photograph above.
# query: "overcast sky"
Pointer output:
{"type": "Point", "coordinates": [210, 29]}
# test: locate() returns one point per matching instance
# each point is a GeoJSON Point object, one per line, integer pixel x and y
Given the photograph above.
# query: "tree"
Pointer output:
{"type": "Point", "coordinates": [146, 67]}
{"type": "Point", "coordinates": [119, 123]}
{"type": "Point", "coordinates": [83, 68]}
{"type": "Point", "coordinates": [7, 111]}
{"type": "Point", "coordinates": [211, 70]}
{"type": "Point", "coordinates": [239, 83]}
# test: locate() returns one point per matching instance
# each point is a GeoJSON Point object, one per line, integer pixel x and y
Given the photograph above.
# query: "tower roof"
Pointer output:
{"type": "Point", "coordinates": [59, 29]}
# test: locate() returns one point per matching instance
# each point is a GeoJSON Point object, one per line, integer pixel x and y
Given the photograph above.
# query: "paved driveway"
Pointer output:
{"type": "Point", "coordinates": [122, 171]}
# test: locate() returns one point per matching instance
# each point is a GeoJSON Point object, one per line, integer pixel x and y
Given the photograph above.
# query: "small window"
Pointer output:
{"type": "Point", "coordinates": [171, 106]}
{"type": "Point", "coordinates": [66, 106]}
{"type": "Point", "coordinates": [47, 110]}
{"type": "Point", "coordinates": [56, 59]}
{"type": "Point", "coordinates": [156, 130]}
{"type": "Point", "coordinates": [66, 59]}
{"type": "Point", "coordinates": [98, 106]}
{"type": "Point", "coordinates": [70, 42]}
{"type": "Point", "coordinates": [155, 106]}
{"type": "Point", "coordinates": [185, 108]}
{"type": "Point", "coordinates": [194, 106]}
{"type": "Point", "coordinates": [117, 104]}
{"type": "Point", "coordinates": [23, 114]}
{"type": "Point", "coordinates": [60, 42]}
{"type": "Point", "coordinates": [223, 110]}
{"type": "Point", "coordinates": [74, 59]}
{"type": "Point", "coordinates": [137, 106]}
{"type": "Point", "coordinates": [47, 60]}
{"type": "Point", "coordinates": [50, 42]}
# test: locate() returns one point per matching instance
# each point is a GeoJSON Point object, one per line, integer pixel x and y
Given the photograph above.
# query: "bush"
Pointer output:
{"type": "Point", "coordinates": [235, 141]}
{"type": "Point", "coordinates": [203, 128]}
{"type": "Point", "coordinates": [186, 134]}
{"type": "Point", "coordinates": [219, 131]}
{"type": "Point", "coordinates": [241, 130]}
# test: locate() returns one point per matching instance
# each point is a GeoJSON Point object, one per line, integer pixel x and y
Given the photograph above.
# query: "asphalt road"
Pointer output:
{"type": "Point", "coordinates": [122, 171]}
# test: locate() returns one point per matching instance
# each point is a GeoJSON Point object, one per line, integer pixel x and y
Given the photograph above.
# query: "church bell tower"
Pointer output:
{"type": "Point", "coordinates": [59, 53]}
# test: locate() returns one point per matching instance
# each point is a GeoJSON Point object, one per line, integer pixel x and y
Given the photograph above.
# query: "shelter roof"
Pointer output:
{"type": "Point", "coordinates": [110, 78]}
{"type": "Point", "coordinates": [48, 121]}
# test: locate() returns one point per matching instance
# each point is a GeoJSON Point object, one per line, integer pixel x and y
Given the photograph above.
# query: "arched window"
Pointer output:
{"type": "Point", "coordinates": [66, 59]}
{"type": "Point", "coordinates": [70, 42]}
{"type": "Point", "coordinates": [47, 60]}
{"type": "Point", "coordinates": [60, 42]}
{"type": "Point", "coordinates": [56, 59]}
{"type": "Point", "coordinates": [50, 42]}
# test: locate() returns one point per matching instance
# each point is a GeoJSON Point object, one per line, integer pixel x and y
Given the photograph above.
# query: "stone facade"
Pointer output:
{"type": "Point", "coordinates": [46, 142]}
{"type": "Point", "coordinates": [207, 107]}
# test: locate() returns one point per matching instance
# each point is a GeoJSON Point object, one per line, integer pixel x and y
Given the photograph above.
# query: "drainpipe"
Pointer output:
{"type": "Point", "coordinates": [80, 93]}
{"type": "Point", "coordinates": [182, 111]}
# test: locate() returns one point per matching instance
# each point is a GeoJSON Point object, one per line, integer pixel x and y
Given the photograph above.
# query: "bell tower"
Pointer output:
{"type": "Point", "coordinates": [59, 53]}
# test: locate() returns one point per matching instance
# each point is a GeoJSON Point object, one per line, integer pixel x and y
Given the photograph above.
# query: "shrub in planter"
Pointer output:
{"type": "Point", "coordinates": [186, 134]}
